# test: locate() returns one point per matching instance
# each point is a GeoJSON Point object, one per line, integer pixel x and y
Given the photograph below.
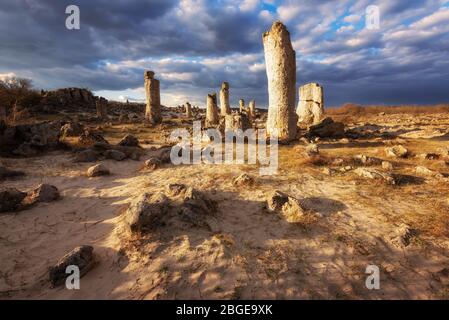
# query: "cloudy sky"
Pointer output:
{"type": "Point", "coordinates": [194, 45]}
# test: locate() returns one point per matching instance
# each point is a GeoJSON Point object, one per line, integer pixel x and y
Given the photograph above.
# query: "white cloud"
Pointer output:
{"type": "Point", "coordinates": [248, 5]}
{"type": "Point", "coordinates": [353, 18]}
{"type": "Point", "coordinates": [7, 76]}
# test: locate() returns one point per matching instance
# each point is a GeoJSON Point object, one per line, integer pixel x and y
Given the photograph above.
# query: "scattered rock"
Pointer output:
{"type": "Point", "coordinates": [396, 152]}
{"type": "Point", "coordinates": [430, 156]}
{"type": "Point", "coordinates": [276, 200]}
{"type": "Point", "coordinates": [404, 235]}
{"type": "Point", "coordinates": [152, 163]}
{"type": "Point", "coordinates": [176, 189]}
{"type": "Point", "coordinates": [327, 128]}
{"type": "Point", "coordinates": [114, 155]}
{"type": "Point", "coordinates": [292, 210]}
{"type": "Point", "coordinates": [88, 155]}
{"type": "Point", "coordinates": [90, 138]}
{"type": "Point", "coordinates": [129, 141]}
{"type": "Point", "coordinates": [423, 171]}
{"type": "Point", "coordinates": [243, 180]}
{"type": "Point", "coordinates": [43, 193]}
{"type": "Point", "coordinates": [146, 212]}
{"type": "Point", "coordinates": [71, 129]}
{"type": "Point", "coordinates": [375, 174]}
{"type": "Point", "coordinates": [197, 202]}
{"type": "Point", "coordinates": [312, 150]}
{"type": "Point", "coordinates": [97, 170]}
{"type": "Point", "coordinates": [82, 257]}
{"type": "Point", "coordinates": [10, 199]}
{"type": "Point", "coordinates": [368, 161]}
{"type": "Point", "coordinates": [387, 165]}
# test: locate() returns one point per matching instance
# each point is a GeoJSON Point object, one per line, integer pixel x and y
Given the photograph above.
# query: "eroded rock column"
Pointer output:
{"type": "Point", "coordinates": [280, 61]}
{"type": "Point", "coordinates": [212, 117]}
{"type": "Point", "coordinates": [311, 104]}
{"type": "Point", "coordinates": [152, 90]}
{"type": "Point", "coordinates": [242, 105]}
{"type": "Point", "coordinates": [252, 109]}
{"type": "Point", "coordinates": [225, 107]}
{"type": "Point", "coordinates": [188, 110]}
{"type": "Point", "coordinates": [101, 105]}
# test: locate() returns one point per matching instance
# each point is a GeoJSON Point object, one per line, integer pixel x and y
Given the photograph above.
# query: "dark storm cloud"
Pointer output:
{"type": "Point", "coordinates": [194, 45]}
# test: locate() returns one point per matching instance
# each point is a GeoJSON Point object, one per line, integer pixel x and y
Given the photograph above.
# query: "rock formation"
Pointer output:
{"type": "Point", "coordinates": [311, 104]}
{"type": "Point", "coordinates": [225, 107]}
{"type": "Point", "coordinates": [242, 105]}
{"type": "Point", "coordinates": [102, 105]}
{"type": "Point", "coordinates": [66, 98]}
{"type": "Point", "coordinates": [280, 60]}
{"type": "Point", "coordinates": [188, 110]}
{"type": "Point", "coordinates": [252, 109]}
{"type": "Point", "coordinates": [152, 90]}
{"type": "Point", "coordinates": [212, 117]}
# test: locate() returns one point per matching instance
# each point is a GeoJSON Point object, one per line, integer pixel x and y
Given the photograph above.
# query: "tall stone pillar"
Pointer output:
{"type": "Point", "coordinates": [101, 105]}
{"type": "Point", "coordinates": [280, 60]}
{"type": "Point", "coordinates": [212, 117]}
{"type": "Point", "coordinates": [311, 104]}
{"type": "Point", "coordinates": [242, 105]}
{"type": "Point", "coordinates": [225, 107]}
{"type": "Point", "coordinates": [252, 109]}
{"type": "Point", "coordinates": [188, 110]}
{"type": "Point", "coordinates": [152, 90]}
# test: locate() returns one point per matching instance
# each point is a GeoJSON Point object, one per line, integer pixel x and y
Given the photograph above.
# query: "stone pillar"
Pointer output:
{"type": "Point", "coordinates": [153, 109]}
{"type": "Point", "coordinates": [101, 105]}
{"type": "Point", "coordinates": [212, 117]}
{"type": "Point", "coordinates": [252, 109]}
{"type": "Point", "coordinates": [280, 61]}
{"type": "Point", "coordinates": [311, 104]}
{"type": "Point", "coordinates": [225, 107]}
{"type": "Point", "coordinates": [242, 105]}
{"type": "Point", "coordinates": [188, 110]}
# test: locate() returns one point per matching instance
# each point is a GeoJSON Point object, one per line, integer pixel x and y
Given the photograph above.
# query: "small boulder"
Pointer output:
{"type": "Point", "coordinates": [152, 163]}
{"type": "Point", "coordinates": [396, 152]}
{"type": "Point", "coordinates": [312, 150]}
{"type": "Point", "coordinates": [10, 199]}
{"type": "Point", "coordinates": [423, 171]}
{"type": "Point", "coordinates": [82, 257]}
{"type": "Point", "coordinates": [90, 138]}
{"type": "Point", "coordinates": [243, 180]}
{"type": "Point", "coordinates": [114, 155]}
{"type": "Point", "coordinates": [375, 174]}
{"type": "Point", "coordinates": [404, 235]}
{"type": "Point", "coordinates": [129, 141]}
{"type": "Point", "coordinates": [367, 160]}
{"type": "Point", "coordinates": [327, 128]}
{"type": "Point", "coordinates": [387, 165]}
{"type": "Point", "coordinates": [88, 155]}
{"type": "Point", "coordinates": [146, 212]}
{"type": "Point", "coordinates": [275, 200]}
{"type": "Point", "coordinates": [43, 193]}
{"type": "Point", "coordinates": [71, 129]}
{"type": "Point", "coordinates": [176, 189]}
{"type": "Point", "coordinates": [98, 170]}
{"type": "Point", "coordinates": [292, 210]}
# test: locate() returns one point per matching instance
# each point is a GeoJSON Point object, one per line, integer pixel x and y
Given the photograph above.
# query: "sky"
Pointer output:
{"type": "Point", "coordinates": [194, 45]}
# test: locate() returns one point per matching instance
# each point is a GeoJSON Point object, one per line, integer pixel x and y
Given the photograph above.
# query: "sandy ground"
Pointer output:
{"type": "Point", "coordinates": [249, 253]}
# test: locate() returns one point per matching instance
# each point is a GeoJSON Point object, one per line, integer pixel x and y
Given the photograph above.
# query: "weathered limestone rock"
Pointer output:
{"type": "Point", "coordinates": [129, 141]}
{"type": "Point", "coordinates": [89, 138]}
{"type": "Point", "coordinates": [188, 110]}
{"type": "Point", "coordinates": [311, 104]}
{"type": "Point", "coordinates": [243, 180]}
{"type": "Point", "coordinates": [82, 257]}
{"type": "Point", "coordinates": [396, 152]}
{"type": "Point", "coordinates": [97, 170]}
{"type": "Point", "coordinates": [88, 155]}
{"type": "Point", "coordinates": [280, 60]}
{"type": "Point", "coordinates": [10, 199]}
{"type": "Point", "coordinates": [212, 117]}
{"type": "Point", "coordinates": [43, 193]}
{"type": "Point", "coordinates": [152, 89]}
{"type": "Point", "coordinates": [152, 163]}
{"type": "Point", "coordinates": [241, 105]}
{"type": "Point", "coordinates": [289, 207]}
{"type": "Point", "coordinates": [237, 121]}
{"type": "Point", "coordinates": [312, 150]}
{"type": "Point", "coordinates": [375, 174]}
{"type": "Point", "coordinates": [115, 155]}
{"type": "Point", "coordinates": [225, 107]}
{"type": "Point", "coordinates": [102, 105]}
{"type": "Point", "coordinates": [327, 128]}
{"type": "Point", "coordinates": [146, 212]}
{"type": "Point", "coordinates": [71, 129]}
{"type": "Point", "coordinates": [252, 109]}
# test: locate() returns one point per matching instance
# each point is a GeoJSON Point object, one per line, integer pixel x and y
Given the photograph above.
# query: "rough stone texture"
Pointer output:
{"type": "Point", "coordinates": [285, 205]}
{"type": "Point", "coordinates": [82, 257]}
{"type": "Point", "coordinates": [88, 155]}
{"type": "Point", "coordinates": [188, 110]}
{"type": "Point", "coordinates": [241, 105]}
{"type": "Point", "coordinates": [423, 171]}
{"type": "Point", "coordinates": [375, 174]}
{"type": "Point", "coordinates": [197, 203]}
{"type": "Point", "coordinates": [97, 170]}
{"type": "Point", "coordinates": [276, 200]}
{"type": "Point", "coordinates": [71, 129]}
{"type": "Point", "coordinates": [10, 199]}
{"type": "Point", "coordinates": [387, 165]}
{"type": "Point", "coordinates": [176, 189]}
{"type": "Point", "coordinates": [152, 89]}
{"type": "Point", "coordinates": [67, 99]}
{"type": "Point", "coordinates": [146, 212]}
{"type": "Point", "coordinates": [89, 138]}
{"type": "Point", "coordinates": [404, 235]}
{"type": "Point", "coordinates": [396, 152]}
{"type": "Point", "coordinates": [243, 180]}
{"type": "Point", "coordinates": [102, 108]}
{"type": "Point", "coordinates": [312, 150]}
{"type": "Point", "coordinates": [129, 141]}
{"type": "Point", "coordinates": [252, 109]}
{"type": "Point", "coordinates": [212, 117]}
{"type": "Point", "coordinates": [152, 163]}
{"type": "Point", "coordinates": [311, 104]}
{"type": "Point", "coordinates": [237, 121]}
{"type": "Point", "coordinates": [225, 107]}
{"type": "Point", "coordinates": [43, 193]}
{"type": "Point", "coordinates": [115, 155]}
{"type": "Point", "coordinates": [280, 60]}
{"type": "Point", "coordinates": [327, 128]}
